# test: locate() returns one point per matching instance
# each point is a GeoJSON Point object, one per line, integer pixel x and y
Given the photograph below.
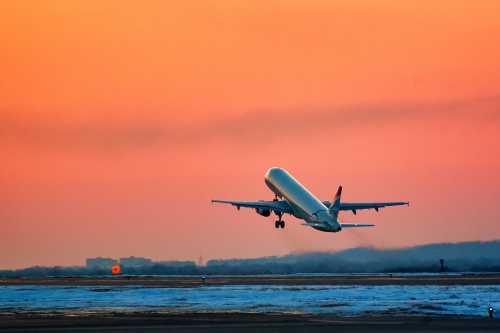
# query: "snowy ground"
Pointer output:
{"type": "Point", "coordinates": [322, 300]}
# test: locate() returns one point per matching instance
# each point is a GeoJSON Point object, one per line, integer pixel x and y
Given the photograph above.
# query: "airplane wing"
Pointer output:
{"type": "Point", "coordinates": [276, 206]}
{"type": "Point", "coordinates": [365, 205]}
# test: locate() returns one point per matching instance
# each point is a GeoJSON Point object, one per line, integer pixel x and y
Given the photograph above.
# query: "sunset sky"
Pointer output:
{"type": "Point", "coordinates": [121, 120]}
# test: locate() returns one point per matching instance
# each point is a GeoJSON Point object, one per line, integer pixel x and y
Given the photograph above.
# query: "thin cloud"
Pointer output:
{"type": "Point", "coordinates": [256, 126]}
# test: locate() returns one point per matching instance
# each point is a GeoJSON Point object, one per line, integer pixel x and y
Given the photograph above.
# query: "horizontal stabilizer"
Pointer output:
{"type": "Point", "coordinates": [355, 225]}
{"type": "Point", "coordinates": [315, 225]}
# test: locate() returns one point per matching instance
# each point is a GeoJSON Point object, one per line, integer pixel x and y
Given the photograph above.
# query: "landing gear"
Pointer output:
{"type": "Point", "coordinates": [278, 224]}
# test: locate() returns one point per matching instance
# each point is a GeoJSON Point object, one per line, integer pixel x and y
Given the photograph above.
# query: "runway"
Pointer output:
{"type": "Point", "coordinates": [291, 303]}
{"type": "Point", "coordinates": [312, 279]}
{"type": "Point", "coordinates": [237, 322]}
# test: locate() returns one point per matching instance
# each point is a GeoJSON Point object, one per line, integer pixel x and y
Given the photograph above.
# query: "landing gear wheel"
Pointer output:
{"type": "Point", "coordinates": [279, 223]}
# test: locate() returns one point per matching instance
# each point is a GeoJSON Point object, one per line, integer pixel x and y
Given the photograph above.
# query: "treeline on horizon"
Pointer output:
{"type": "Point", "coordinates": [460, 257]}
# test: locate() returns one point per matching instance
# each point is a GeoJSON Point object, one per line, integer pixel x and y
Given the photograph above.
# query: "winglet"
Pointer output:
{"type": "Point", "coordinates": [334, 207]}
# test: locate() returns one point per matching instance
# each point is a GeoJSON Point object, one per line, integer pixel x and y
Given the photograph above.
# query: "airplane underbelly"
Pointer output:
{"type": "Point", "coordinates": [302, 202]}
{"type": "Point", "coordinates": [322, 229]}
{"type": "Point", "coordinates": [300, 212]}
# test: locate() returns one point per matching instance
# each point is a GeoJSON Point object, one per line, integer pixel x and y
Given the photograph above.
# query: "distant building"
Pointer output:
{"type": "Point", "coordinates": [135, 262]}
{"type": "Point", "coordinates": [106, 263]}
{"type": "Point", "coordinates": [99, 262]}
{"type": "Point", "coordinates": [176, 263]}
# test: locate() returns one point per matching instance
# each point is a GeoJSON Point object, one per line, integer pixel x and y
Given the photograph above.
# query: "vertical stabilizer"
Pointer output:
{"type": "Point", "coordinates": [334, 207]}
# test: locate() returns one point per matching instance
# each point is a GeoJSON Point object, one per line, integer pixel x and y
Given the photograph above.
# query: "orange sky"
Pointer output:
{"type": "Point", "coordinates": [121, 120]}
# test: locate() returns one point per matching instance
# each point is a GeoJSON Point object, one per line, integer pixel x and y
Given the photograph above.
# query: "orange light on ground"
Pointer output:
{"type": "Point", "coordinates": [116, 269]}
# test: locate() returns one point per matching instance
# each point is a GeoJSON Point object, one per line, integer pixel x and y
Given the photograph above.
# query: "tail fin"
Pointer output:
{"type": "Point", "coordinates": [334, 207]}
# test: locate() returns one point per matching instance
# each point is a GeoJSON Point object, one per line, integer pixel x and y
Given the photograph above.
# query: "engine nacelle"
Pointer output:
{"type": "Point", "coordinates": [263, 212]}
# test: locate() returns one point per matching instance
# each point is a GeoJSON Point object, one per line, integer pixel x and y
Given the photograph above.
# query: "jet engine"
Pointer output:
{"type": "Point", "coordinates": [263, 212]}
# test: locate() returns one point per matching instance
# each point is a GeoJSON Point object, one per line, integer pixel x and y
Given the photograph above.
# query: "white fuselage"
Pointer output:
{"type": "Point", "coordinates": [304, 205]}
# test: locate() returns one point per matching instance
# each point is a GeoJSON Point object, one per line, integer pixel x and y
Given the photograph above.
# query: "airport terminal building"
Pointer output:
{"type": "Point", "coordinates": [101, 262]}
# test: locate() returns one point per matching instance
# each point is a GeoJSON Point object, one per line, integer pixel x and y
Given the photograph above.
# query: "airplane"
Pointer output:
{"type": "Point", "coordinates": [299, 202]}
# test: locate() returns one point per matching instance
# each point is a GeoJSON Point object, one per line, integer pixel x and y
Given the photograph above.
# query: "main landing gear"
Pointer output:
{"type": "Point", "coordinates": [279, 223]}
